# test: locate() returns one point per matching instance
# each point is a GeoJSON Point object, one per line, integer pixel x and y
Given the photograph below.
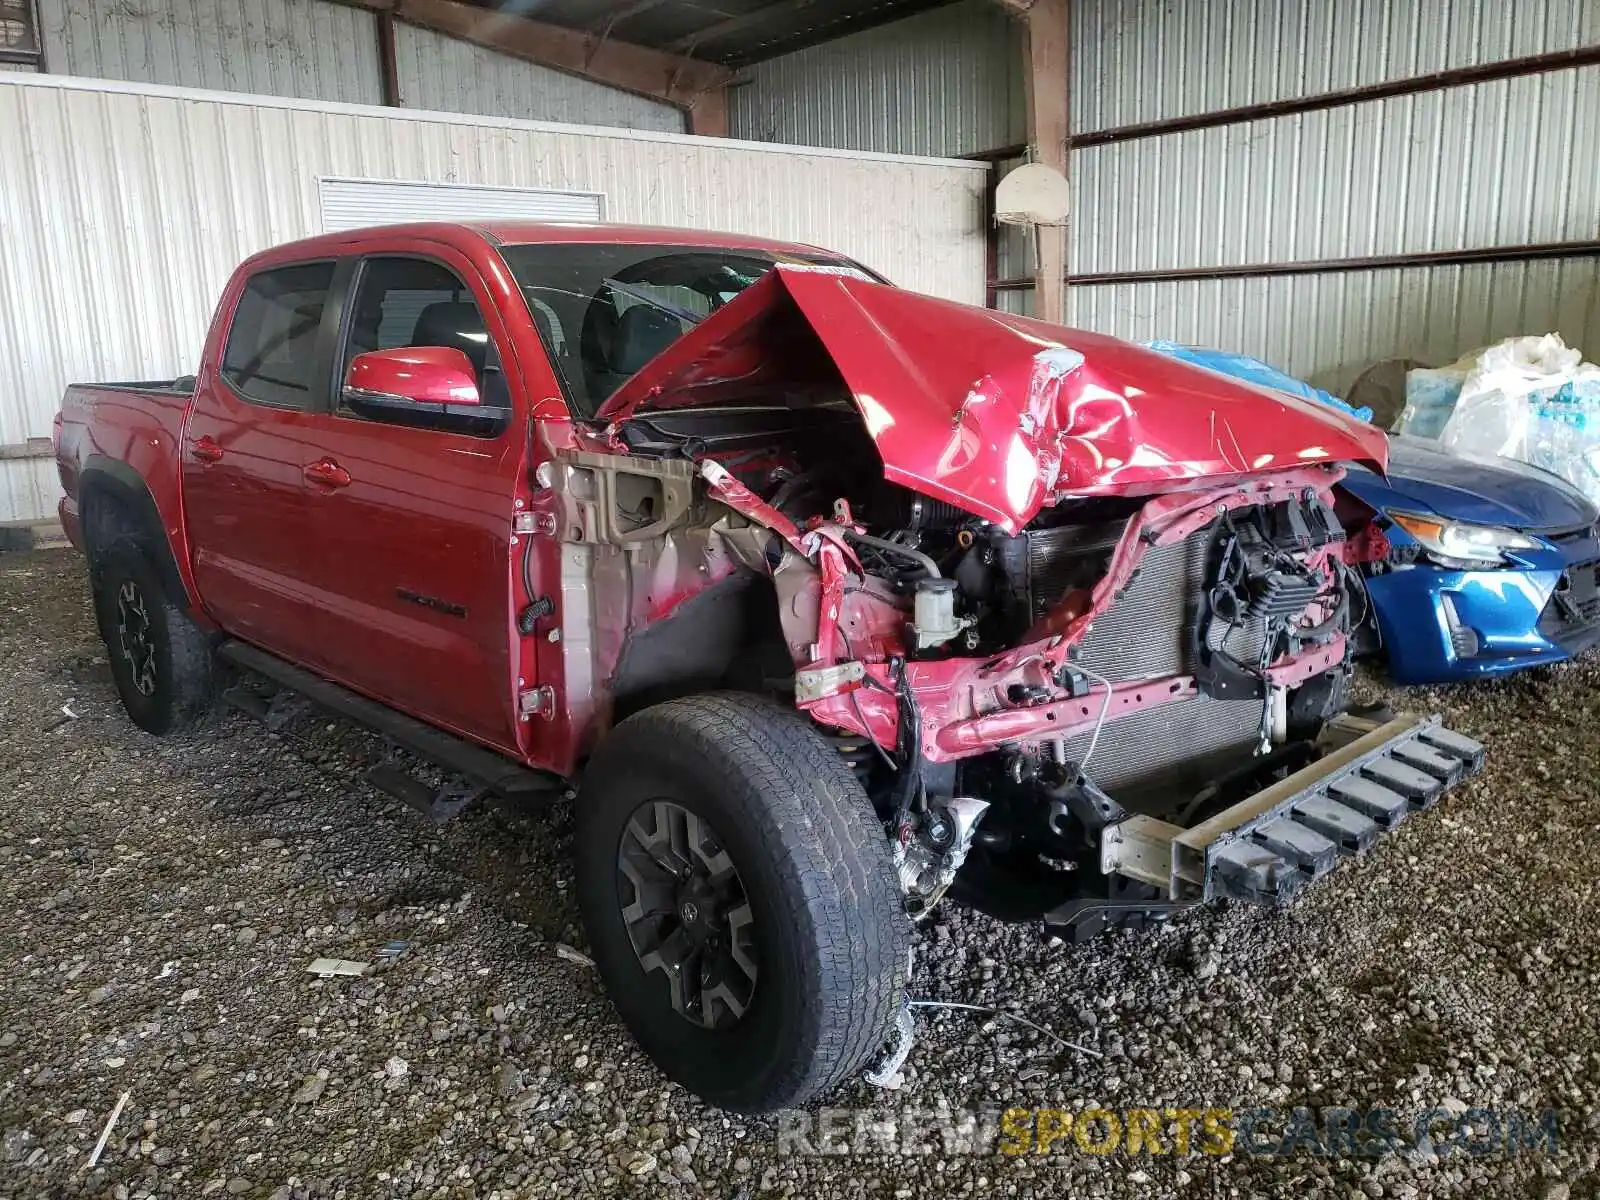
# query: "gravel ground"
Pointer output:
{"type": "Point", "coordinates": [166, 895]}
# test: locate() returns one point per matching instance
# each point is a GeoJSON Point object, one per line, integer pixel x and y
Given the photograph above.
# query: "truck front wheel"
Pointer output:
{"type": "Point", "coordinates": [739, 899]}
{"type": "Point", "coordinates": [160, 660]}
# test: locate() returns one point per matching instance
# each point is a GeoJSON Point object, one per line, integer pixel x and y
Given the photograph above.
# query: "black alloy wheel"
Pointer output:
{"type": "Point", "coordinates": [160, 659]}
{"type": "Point", "coordinates": [135, 638]}
{"type": "Point", "coordinates": [739, 898]}
{"type": "Point", "coordinates": [687, 913]}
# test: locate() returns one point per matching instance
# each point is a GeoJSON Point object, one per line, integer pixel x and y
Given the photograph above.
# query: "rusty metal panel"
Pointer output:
{"type": "Point", "coordinates": [1327, 328]}
{"type": "Point", "coordinates": [306, 48]}
{"type": "Point", "coordinates": [947, 81]}
{"type": "Point", "coordinates": [1147, 60]}
{"type": "Point", "coordinates": [1502, 163]}
{"type": "Point", "coordinates": [134, 202]}
{"type": "Point", "coordinates": [446, 74]}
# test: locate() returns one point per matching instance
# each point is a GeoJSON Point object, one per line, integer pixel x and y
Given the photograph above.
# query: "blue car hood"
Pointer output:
{"type": "Point", "coordinates": [1424, 478]}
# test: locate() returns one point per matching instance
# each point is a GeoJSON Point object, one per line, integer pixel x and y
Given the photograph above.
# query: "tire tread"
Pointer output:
{"type": "Point", "coordinates": [190, 691]}
{"type": "Point", "coordinates": [820, 823]}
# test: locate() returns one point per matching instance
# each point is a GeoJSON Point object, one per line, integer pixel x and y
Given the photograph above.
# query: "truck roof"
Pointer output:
{"type": "Point", "coordinates": [519, 232]}
{"type": "Point", "coordinates": [515, 233]}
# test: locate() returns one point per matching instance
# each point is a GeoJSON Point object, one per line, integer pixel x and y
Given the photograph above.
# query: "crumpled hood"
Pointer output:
{"type": "Point", "coordinates": [1423, 477]}
{"type": "Point", "coordinates": [998, 414]}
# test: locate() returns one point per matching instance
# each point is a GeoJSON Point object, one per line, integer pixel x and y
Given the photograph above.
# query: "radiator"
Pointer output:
{"type": "Point", "coordinates": [1180, 745]}
{"type": "Point", "coordinates": [1149, 633]}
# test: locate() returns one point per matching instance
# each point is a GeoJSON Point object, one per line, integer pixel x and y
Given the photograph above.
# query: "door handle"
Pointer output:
{"type": "Point", "coordinates": [205, 449]}
{"type": "Point", "coordinates": [328, 473]}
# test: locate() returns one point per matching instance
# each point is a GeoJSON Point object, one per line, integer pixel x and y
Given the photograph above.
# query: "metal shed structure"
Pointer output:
{"type": "Point", "coordinates": [126, 206]}
{"type": "Point", "coordinates": [1320, 185]}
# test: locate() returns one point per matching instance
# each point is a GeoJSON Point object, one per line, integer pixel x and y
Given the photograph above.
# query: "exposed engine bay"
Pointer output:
{"type": "Point", "coordinates": [1202, 621]}
{"type": "Point", "coordinates": [1006, 698]}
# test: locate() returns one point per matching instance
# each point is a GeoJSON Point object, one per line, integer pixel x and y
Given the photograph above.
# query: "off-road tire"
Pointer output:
{"type": "Point", "coordinates": [831, 934]}
{"type": "Point", "coordinates": [180, 690]}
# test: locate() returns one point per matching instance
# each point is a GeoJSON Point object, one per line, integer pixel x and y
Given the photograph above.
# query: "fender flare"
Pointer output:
{"type": "Point", "coordinates": [125, 489]}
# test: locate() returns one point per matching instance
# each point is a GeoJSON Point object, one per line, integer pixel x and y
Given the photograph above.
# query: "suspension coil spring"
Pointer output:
{"type": "Point", "coordinates": [858, 753]}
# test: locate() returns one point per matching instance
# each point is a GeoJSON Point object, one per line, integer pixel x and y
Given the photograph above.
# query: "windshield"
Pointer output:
{"type": "Point", "coordinates": [605, 309]}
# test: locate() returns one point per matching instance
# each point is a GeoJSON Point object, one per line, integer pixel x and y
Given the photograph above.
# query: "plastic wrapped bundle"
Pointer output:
{"type": "Point", "coordinates": [1431, 396]}
{"type": "Point", "coordinates": [1535, 400]}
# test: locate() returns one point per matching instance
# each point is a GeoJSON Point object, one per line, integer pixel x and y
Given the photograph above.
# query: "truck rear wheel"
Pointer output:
{"type": "Point", "coordinates": [160, 660]}
{"type": "Point", "coordinates": [739, 900]}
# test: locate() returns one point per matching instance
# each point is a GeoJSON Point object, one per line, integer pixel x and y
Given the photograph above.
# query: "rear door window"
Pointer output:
{"type": "Point", "coordinates": [274, 340]}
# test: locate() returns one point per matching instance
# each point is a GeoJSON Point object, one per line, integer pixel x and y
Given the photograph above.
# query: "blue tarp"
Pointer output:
{"type": "Point", "coordinates": [1253, 370]}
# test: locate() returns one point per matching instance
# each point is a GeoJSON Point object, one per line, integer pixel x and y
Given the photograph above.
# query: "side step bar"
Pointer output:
{"type": "Point", "coordinates": [1269, 846]}
{"type": "Point", "coordinates": [490, 771]}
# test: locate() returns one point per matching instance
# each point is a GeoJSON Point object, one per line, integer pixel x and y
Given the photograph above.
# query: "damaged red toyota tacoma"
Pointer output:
{"type": "Point", "coordinates": [824, 599]}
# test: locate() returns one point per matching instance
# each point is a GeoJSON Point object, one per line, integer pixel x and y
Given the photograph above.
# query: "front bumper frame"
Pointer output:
{"type": "Point", "coordinates": [1268, 847]}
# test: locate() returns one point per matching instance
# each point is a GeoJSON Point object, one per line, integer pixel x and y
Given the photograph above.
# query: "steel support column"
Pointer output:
{"type": "Point", "coordinates": [1045, 75]}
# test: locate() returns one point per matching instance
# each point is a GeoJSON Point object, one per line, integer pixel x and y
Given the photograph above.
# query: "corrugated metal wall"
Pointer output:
{"type": "Point", "coordinates": [1492, 164]}
{"type": "Point", "coordinates": [445, 74]}
{"type": "Point", "coordinates": [356, 203]}
{"type": "Point", "coordinates": [306, 48]}
{"type": "Point", "coordinates": [1147, 60]}
{"type": "Point", "coordinates": [29, 488]}
{"type": "Point", "coordinates": [943, 82]}
{"type": "Point", "coordinates": [1327, 328]}
{"type": "Point", "coordinates": [127, 207]}
{"type": "Point", "coordinates": [319, 50]}
{"type": "Point", "coordinates": [1495, 164]}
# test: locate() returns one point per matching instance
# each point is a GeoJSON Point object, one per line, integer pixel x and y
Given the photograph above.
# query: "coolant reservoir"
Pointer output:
{"type": "Point", "coordinates": [933, 619]}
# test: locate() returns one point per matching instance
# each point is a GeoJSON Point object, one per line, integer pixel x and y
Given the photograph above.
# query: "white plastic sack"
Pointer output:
{"type": "Point", "coordinates": [1535, 400]}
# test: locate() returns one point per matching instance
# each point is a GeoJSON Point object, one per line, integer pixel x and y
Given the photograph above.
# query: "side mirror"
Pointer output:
{"type": "Point", "coordinates": [412, 375]}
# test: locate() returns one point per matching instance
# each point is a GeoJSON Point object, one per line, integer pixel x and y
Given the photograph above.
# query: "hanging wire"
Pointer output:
{"type": "Point", "coordinates": [1100, 721]}
{"type": "Point", "coordinates": [1000, 1012]}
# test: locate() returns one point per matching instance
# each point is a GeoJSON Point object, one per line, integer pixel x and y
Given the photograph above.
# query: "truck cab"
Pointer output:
{"type": "Point", "coordinates": [825, 599]}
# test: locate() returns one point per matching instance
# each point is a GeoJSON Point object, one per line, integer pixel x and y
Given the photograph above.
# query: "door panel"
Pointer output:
{"type": "Point", "coordinates": [244, 450]}
{"type": "Point", "coordinates": [414, 579]}
{"type": "Point", "coordinates": [414, 587]}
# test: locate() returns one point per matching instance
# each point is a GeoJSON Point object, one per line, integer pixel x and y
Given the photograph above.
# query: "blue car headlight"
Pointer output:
{"type": "Point", "coordinates": [1458, 544]}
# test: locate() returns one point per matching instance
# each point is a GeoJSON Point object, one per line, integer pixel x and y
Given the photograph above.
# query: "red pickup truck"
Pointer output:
{"type": "Point", "coordinates": [825, 598]}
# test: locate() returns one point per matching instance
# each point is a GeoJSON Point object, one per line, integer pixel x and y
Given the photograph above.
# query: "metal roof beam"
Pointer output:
{"type": "Point", "coordinates": [610, 20]}
{"type": "Point", "coordinates": [738, 24]}
{"type": "Point", "coordinates": [688, 83]}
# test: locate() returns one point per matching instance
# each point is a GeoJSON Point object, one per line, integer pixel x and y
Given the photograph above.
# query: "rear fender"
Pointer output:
{"type": "Point", "coordinates": [115, 502]}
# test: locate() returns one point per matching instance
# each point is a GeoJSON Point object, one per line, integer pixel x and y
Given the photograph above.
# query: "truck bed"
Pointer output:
{"type": "Point", "coordinates": [137, 423]}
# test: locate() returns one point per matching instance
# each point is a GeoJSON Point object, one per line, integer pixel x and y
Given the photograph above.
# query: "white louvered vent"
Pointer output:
{"type": "Point", "coordinates": [352, 203]}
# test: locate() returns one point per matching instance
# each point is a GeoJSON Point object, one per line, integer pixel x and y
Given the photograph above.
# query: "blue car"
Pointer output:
{"type": "Point", "coordinates": [1492, 565]}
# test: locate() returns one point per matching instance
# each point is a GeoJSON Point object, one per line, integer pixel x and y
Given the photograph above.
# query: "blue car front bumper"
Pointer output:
{"type": "Point", "coordinates": [1440, 625]}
